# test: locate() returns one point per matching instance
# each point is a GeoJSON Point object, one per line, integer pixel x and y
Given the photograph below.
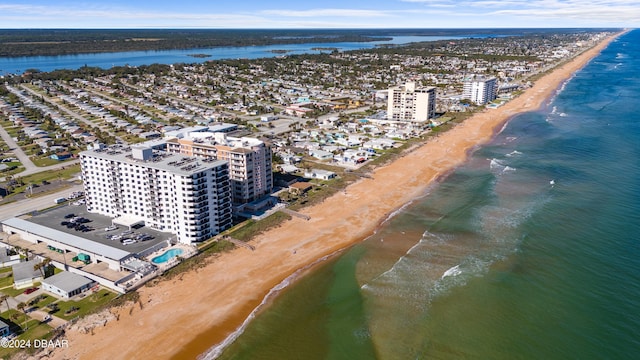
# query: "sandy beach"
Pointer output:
{"type": "Point", "coordinates": [183, 317]}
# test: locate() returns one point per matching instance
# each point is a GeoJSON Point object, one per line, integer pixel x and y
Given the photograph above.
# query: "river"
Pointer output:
{"type": "Point", "coordinates": [17, 65]}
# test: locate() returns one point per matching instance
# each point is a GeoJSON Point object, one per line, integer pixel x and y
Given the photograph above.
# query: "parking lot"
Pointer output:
{"type": "Point", "coordinates": [96, 228]}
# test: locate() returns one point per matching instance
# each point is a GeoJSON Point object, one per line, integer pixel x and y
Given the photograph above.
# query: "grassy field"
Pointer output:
{"type": "Point", "coordinates": [251, 228]}
{"type": "Point", "coordinates": [11, 291]}
{"type": "Point", "coordinates": [85, 306]}
{"type": "Point", "coordinates": [63, 174]}
{"type": "Point", "coordinates": [44, 161]}
{"type": "Point", "coordinates": [32, 330]}
{"type": "Point", "coordinates": [6, 281]}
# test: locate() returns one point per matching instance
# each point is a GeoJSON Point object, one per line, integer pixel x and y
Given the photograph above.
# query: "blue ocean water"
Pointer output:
{"type": "Point", "coordinates": [531, 250]}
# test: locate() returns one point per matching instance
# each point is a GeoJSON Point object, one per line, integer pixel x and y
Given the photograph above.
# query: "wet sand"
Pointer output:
{"type": "Point", "coordinates": [182, 318]}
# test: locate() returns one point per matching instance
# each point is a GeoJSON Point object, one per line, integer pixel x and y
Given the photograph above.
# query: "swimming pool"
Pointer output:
{"type": "Point", "coordinates": [166, 256]}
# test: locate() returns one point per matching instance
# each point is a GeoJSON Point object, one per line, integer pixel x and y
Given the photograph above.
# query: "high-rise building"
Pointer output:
{"type": "Point", "coordinates": [408, 103]}
{"type": "Point", "coordinates": [480, 90]}
{"type": "Point", "coordinates": [249, 160]}
{"type": "Point", "coordinates": [186, 196]}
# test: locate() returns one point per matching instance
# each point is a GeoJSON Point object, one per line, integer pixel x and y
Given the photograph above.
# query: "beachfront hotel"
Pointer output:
{"type": "Point", "coordinates": [408, 103]}
{"type": "Point", "coordinates": [183, 195]}
{"type": "Point", "coordinates": [249, 159]}
{"type": "Point", "coordinates": [480, 90]}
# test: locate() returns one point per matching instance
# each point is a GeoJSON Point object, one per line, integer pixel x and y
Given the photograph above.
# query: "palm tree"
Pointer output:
{"type": "Point", "coordinates": [42, 266]}
{"type": "Point", "coordinates": [45, 264]}
{"type": "Point", "coordinates": [22, 306]}
{"type": "Point", "coordinates": [14, 317]}
{"type": "Point", "coordinates": [39, 266]}
{"type": "Point", "coordinates": [5, 298]}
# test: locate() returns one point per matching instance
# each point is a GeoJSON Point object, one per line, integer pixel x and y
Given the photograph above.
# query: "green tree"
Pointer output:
{"type": "Point", "coordinates": [22, 307]}
{"type": "Point", "coordinates": [5, 298]}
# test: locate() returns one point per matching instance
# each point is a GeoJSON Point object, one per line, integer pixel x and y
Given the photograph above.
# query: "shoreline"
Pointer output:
{"type": "Point", "coordinates": [217, 299]}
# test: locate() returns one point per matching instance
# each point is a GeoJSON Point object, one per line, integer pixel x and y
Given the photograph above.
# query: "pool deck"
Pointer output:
{"type": "Point", "coordinates": [187, 252]}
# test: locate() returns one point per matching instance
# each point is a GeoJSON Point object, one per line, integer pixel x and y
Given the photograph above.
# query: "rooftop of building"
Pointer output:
{"type": "Point", "coordinates": [25, 270]}
{"type": "Point", "coordinates": [51, 220]}
{"type": "Point", "coordinates": [67, 281]}
{"type": "Point", "coordinates": [67, 239]}
{"type": "Point", "coordinates": [411, 87]}
{"type": "Point", "coordinates": [155, 159]}
{"type": "Point", "coordinates": [219, 138]}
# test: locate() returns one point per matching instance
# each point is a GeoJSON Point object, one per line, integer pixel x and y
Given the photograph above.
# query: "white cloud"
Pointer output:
{"type": "Point", "coordinates": [121, 17]}
{"type": "Point", "coordinates": [327, 12]}
{"type": "Point", "coordinates": [406, 13]}
{"type": "Point", "coordinates": [587, 12]}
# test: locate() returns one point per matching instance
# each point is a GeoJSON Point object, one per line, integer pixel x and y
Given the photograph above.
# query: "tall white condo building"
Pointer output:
{"type": "Point", "coordinates": [408, 103]}
{"type": "Point", "coordinates": [186, 196]}
{"type": "Point", "coordinates": [480, 90]}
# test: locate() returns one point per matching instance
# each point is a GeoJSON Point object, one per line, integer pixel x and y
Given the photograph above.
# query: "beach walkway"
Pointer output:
{"type": "Point", "coordinates": [237, 242]}
{"type": "Point", "coordinates": [296, 214]}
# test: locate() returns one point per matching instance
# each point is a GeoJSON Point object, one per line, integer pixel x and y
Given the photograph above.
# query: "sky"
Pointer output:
{"type": "Point", "coordinates": [319, 14]}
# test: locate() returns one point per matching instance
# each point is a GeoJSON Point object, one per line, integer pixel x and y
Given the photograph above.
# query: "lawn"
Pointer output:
{"type": "Point", "coordinates": [67, 173]}
{"type": "Point", "coordinates": [85, 306]}
{"type": "Point", "coordinates": [6, 281]}
{"type": "Point", "coordinates": [252, 227]}
{"type": "Point", "coordinates": [44, 161]}
{"type": "Point", "coordinates": [34, 330]}
{"type": "Point", "coordinates": [45, 300]}
{"type": "Point", "coordinates": [13, 131]}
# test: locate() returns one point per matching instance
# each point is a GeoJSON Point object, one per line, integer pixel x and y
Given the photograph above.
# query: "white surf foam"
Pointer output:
{"type": "Point", "coordinates": [394, 266]}
{"type": "Point", "coordinates": [495, 164]}
{"type": "Point", "coordinates": [452, 272]}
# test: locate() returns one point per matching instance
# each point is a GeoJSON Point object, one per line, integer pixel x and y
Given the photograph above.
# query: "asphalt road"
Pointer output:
{"type": "Point", "coordinates": [16, 150]}
{"type": "Point", "coordinates": [41, 202]}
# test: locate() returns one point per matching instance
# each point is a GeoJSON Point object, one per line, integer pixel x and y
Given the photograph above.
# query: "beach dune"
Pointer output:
{"type": "Point", "coordinates": [183, 317]}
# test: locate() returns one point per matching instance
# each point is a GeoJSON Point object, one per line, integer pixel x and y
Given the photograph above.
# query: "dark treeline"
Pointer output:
{"type": "Point", "coordinates": [36, 42]}
{"type": "Point", "coordinates": [87, 72]}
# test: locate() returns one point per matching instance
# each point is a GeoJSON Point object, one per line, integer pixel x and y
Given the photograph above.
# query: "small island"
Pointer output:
{"type": "Point", "coordinates": [325, 48]}
{"type": "Point", "coordinates": [280, 51]}
{"type": "Point", "coordinates": [200, 55]}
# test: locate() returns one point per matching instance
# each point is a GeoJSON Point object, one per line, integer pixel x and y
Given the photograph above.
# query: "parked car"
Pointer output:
{"type": "Point", "coordinates": [30, 290]}
{"type": "Point", "coordinates": [69, 216]}
{"type": "Point", "coordinates": [111, 228]}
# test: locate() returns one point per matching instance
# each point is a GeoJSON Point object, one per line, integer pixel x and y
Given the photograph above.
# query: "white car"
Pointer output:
{"type": "Point", "coordinates": [111, 228]}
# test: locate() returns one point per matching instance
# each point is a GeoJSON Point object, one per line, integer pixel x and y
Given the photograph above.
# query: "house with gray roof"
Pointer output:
{"type": "Point", "coordinates": [67, 284]}
{"type": "Point", "coordinates": [24, 275]}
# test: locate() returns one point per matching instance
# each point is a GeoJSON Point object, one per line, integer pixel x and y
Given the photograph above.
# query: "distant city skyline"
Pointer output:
{"type": "Point", "coordinates": [320, 14]}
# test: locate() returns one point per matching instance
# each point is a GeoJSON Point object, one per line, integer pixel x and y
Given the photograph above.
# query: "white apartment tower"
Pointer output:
{"type": "Point", "coordinates": [480, 90]}
{"type": "Point", "coordinates": [249, 160]}
{"type": "Point", "coordinates": [186, 196]}
{"type": "Point", "coordinates": [408, 103]}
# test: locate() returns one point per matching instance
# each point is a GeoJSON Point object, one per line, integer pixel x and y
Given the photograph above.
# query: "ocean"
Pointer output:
{"type": "Point", "coordinates": [531, 250]}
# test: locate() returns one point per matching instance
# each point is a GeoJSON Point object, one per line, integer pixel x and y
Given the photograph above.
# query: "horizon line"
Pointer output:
{"type": "Point", "coordinates": [319, 28]}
